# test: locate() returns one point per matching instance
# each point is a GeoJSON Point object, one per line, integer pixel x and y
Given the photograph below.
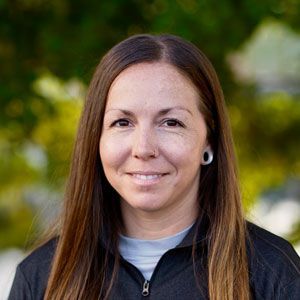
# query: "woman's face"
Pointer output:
{"type": "Point", "coordinates": [153, 138]}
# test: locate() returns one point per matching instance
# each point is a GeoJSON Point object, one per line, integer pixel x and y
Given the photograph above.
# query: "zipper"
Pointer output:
{"type": "Point", "coordinates": [146, 283]}
{"type": "Point", "coordinates": [146, 286]}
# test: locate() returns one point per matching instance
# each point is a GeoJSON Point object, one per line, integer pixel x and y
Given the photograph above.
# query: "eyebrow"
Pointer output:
{"type": "Point", "coordinates": [162, 112]}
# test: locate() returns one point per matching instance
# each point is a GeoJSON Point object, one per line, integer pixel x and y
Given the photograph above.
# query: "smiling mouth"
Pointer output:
{"type": "Point", "coordinates": [147, 177]}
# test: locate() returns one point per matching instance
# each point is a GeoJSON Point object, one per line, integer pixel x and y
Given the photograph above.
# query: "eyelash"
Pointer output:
{"type": "Point", "coordinates": [177, 123]}
{"type": "Point", "coordinates": [115, 123]}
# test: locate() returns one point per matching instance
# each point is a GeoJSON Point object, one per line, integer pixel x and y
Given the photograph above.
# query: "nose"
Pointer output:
{"type": "Point", "coordinates": [144, 144]}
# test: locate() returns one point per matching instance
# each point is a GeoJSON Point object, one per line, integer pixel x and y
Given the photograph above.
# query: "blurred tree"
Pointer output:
{"type": "Point", "coordinates": [68, 37]}
{"type": "Point", "coordinates": [266, 130]}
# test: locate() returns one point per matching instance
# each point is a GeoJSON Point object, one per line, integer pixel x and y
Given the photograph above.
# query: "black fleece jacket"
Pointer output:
{"type": "Point", "coordinates": [274, 269]}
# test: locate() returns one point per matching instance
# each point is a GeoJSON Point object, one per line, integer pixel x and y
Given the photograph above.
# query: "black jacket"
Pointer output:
{"type": "Point", "coordinates": [274, 269]}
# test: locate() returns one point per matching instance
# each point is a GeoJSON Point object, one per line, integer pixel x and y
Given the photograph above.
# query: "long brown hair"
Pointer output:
{"type": "Point", "coordinates": [82, 268]}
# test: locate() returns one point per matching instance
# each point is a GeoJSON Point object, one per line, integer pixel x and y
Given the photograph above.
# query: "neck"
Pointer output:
{"type": "Point", "coordinates": [150, 225]}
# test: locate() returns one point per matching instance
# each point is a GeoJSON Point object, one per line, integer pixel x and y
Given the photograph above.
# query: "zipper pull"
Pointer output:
{"type": "Point", "coordinates": [145, 291]}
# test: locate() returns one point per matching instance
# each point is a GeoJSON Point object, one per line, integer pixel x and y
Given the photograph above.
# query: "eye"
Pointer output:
{"type": "Point", "coordinates": [120, 123]}
{"type": "Point", "coordinates": [173, 123]}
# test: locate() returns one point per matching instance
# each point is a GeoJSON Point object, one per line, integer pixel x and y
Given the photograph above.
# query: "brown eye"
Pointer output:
{"type": "Point", "coordinates": [173, 123]}
{"type": "Point", "coordinates": [120, 123]}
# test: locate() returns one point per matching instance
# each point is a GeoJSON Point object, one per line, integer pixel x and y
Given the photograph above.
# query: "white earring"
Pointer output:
{"type": "Point", "coordinates": [207, 157]}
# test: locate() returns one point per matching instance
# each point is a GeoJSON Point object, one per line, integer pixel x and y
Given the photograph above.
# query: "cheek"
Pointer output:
{"type": "Point", "coordinates": [184, 152]}
{"type": "Point", "coordinates": [112, 153]}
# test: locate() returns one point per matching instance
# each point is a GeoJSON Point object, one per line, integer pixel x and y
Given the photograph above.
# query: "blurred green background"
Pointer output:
{"type": "Point", "coordinates": [49, 49]}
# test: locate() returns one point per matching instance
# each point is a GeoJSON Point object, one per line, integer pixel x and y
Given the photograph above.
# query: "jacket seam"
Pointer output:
{"type": "Point", "coordinates": [284, 288]}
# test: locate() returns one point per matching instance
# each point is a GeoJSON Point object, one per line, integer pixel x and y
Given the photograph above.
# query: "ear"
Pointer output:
{"type": "Point", "coordinates": [207, 155]}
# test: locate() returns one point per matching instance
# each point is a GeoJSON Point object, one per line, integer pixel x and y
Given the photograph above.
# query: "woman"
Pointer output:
{"type": "Point", "coordinates": [152, 206]}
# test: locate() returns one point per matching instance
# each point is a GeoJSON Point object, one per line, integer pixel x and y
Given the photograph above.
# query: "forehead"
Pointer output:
{"type": "Point", "coordinates": [152, 84]}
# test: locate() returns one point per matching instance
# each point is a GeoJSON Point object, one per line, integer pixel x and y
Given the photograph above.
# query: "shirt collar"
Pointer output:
{"type": "Point", "coordinates": [196, 234]}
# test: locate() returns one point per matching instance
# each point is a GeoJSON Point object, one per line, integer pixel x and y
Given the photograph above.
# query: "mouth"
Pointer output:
{"type": "Point", "coordinates": [146, 178]}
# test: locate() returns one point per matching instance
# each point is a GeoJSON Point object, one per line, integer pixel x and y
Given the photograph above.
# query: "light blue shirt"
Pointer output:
{"type": "Point", "coordinates": [145, 254]}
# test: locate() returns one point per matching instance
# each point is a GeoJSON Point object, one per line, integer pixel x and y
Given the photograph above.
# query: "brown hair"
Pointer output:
{"type": "Point", "coordinates": [81, 268]}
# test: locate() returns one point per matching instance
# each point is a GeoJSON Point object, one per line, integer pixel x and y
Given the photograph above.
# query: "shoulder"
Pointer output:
{"type": "Point", "coordinates": [272, 249]}
{"type": "Point", "coordinates": [32, 273]}
{"type": "Point", "coordinates": [274, 265]}
{"type": "Point", "coordinates": [39, 259]}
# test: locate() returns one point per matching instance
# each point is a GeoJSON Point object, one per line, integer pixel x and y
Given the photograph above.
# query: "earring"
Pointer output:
{"type": "Point", "coordinates": [208, 156]}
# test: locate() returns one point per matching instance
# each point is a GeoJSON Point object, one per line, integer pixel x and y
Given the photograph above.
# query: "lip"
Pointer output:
{"type": "Point", "coordinates": [146, 173]}
{"type": "Point", "coordinates": [140, 177]}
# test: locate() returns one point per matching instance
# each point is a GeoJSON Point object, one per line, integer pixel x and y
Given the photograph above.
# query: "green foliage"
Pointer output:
{"type": "Point", "coordinates": [14, 226]}
{"type": "Point", "coordinates": [41, 160]}
{"type": "Point", "coordinates": [266, 131]}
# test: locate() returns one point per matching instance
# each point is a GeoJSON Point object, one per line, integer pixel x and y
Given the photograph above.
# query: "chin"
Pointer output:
{"type": "Point", "coordinates": [147, 205]}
